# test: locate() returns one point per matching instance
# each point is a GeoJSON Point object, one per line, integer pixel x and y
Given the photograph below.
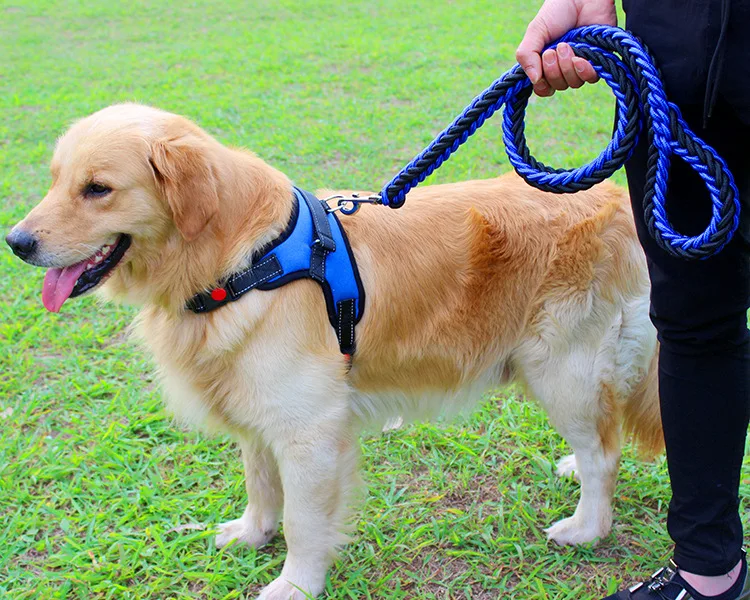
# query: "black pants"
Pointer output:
{"type": "Point", "coordinates": [700, 307]}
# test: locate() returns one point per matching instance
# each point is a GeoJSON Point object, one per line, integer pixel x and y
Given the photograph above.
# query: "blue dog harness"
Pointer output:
{"type": "Point", "coordinates": [313, 245]}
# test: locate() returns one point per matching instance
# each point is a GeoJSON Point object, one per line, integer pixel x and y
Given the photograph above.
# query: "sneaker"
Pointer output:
{"type": "Point", "coordinates": [666, 584]}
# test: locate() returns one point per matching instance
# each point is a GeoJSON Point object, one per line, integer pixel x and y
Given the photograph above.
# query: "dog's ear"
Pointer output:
{"type": "Point", "coordinates": [184, 174]}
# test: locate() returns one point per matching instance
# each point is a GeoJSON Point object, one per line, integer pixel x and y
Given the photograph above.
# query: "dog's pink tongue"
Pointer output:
{"type": "Point", "coordinates": [59, 284]}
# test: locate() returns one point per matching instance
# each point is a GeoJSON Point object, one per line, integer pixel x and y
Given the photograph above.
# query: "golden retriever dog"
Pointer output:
{"type": "Point", "coordinates": [469, 286]}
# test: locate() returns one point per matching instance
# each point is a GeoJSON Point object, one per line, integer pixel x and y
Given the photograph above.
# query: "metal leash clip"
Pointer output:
{"type": "Point", "coordinates": [353, 201]}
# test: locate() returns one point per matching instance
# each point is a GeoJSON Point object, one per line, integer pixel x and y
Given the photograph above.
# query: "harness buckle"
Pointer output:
{"type": "Point", "coordinates": [348, 205]}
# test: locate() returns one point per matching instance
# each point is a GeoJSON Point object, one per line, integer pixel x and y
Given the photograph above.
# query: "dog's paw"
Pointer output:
{"type": "Point", "coordinates": [567, 467]}
{"type": "Point", "coordinates": [243, 531]}
{"type": "Point", "coordinates": [570, 532]}
{"type": "Point", "coordinates": [281, 589]}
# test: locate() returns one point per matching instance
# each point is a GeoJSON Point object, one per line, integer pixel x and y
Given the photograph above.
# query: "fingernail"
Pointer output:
{"type": "Point", "coordinates": [549, 58]}
{"type": "Point", "coordinates": [579, 66]}
{"type": "Point", "coordinates": [563, 50]}
{"type": "Point", "coordinates": [541, 87]}
{"type": "Point", "coordinates": [532, 74]}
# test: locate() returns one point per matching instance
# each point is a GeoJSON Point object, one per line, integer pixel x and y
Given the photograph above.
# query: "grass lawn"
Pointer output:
{"type": "Point", "coordinates": [97, 484]}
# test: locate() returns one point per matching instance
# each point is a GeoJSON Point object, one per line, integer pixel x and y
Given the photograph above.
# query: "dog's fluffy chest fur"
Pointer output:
{"type": "Point", "coordinates": [238, 367]}
{"type": "Point", "coordinates": [200, 360]}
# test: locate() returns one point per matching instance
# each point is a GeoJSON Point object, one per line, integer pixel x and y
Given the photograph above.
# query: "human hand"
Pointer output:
{"type": "Point", "coordinates": [560, 69]}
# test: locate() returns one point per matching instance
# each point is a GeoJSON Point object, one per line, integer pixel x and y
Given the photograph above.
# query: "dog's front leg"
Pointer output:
{"type": "Point", "coordinates": [318, 471]}
{"type": "Point", "coordinates": [260, 521]}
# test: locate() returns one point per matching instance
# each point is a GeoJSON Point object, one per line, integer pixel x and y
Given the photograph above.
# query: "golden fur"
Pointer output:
{"type": "Point", "coordinates": [469, 286]}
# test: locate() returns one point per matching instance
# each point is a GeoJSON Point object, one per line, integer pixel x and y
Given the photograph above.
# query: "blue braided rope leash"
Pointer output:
{"type": "Point", "coordinates": [626, 65]}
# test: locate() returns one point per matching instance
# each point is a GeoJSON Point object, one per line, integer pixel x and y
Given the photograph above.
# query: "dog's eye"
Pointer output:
{"type": "Point", "coordinates": [96, 190]}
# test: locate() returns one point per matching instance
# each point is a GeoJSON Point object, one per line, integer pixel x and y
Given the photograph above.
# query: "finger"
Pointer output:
{"type": "Point", "coordinates": [552, 72]}
{"type": "Point", "coordinates": [530, 48]}
{"type": "Point", "coordinates": [585, 70]}
{"type": "Point", "coordinates": [543, 89]}
{"type": "Point", "coordinates": [565, 61]}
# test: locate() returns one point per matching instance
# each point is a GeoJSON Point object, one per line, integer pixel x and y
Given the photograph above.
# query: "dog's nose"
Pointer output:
{"type": "Point", "coordinates": [22, 243]}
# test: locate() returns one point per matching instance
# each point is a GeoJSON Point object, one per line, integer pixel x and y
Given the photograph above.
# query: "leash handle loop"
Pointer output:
{"type": "Point", "coordinates": [628, 68]}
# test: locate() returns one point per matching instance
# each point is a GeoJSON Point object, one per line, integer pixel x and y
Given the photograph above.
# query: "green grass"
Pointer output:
{"type": "Point", "coordinates": [96, 482]}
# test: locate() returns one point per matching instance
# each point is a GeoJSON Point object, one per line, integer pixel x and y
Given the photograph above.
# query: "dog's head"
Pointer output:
{"type": "Point", "coordinates": [125, 181]}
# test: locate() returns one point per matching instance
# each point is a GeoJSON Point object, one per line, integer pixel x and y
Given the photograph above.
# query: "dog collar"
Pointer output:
{"type": "Point", "coordinates": [313, 246]}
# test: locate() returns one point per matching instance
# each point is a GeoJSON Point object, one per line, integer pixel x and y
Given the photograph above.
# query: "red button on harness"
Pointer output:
{"type": "Point", "coordinates": [218, 294]}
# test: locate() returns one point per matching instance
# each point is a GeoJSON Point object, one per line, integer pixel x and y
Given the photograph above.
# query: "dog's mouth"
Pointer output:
{"type": "Point", "coordinates": [74, 280]}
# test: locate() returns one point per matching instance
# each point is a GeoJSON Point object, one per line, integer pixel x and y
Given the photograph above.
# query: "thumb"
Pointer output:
{"type": "Point", "coordinates": [529, 50]}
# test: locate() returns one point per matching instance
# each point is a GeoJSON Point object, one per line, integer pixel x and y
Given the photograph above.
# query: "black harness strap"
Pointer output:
{"type": "Point", "coordinates": [323, 242]}
{"type": "Point", "coordinates": [238, 284]}
{"type": "Point", "coordinates": [241, 282]}
{"type": "Point", "coordinates": [345, 330]}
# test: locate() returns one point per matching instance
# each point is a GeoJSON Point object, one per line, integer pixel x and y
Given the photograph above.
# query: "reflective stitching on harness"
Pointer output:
{"type": "Point", "coordinates": [351, 329]}
{"type": "Point", "coordinates": [261, 280]}
{"type": "Point", "coordinates": [236, 276]}
{"type": "Point", "coordinates": [339, 324]}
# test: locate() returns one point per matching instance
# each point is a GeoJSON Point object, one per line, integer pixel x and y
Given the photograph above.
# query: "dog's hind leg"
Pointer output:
{"type": "Point", "coordinates": [318, 471]}
{"type": "Point", "coordinates": [595, 463]}
{"type": "Point", "coordinates": [260, 521]}
{"type": "Point", "coordinates": [584, 410]}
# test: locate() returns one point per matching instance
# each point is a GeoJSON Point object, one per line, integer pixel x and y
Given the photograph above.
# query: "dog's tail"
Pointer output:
{"type": "Point", "coordinates": [642, 416]}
